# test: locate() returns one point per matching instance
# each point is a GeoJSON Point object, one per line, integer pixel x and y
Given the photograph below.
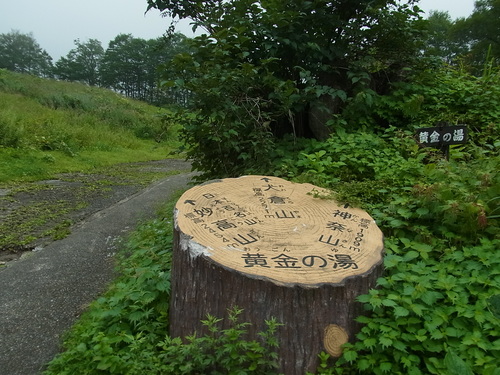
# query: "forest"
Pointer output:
{"type": "Point", "coordinates": [128, 66]}
{"type": "Point", "coordinates": [330, 93]}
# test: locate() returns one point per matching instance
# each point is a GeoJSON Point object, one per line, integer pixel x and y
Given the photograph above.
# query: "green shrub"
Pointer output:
{"type": "Point", "coordinates": [434, 309]}
{"type": "Point", "coordinates": [221, 351]}
{"type": "Point", "coordinates": [434, 300]}
{"type": "Point", "coordinates": [392, 158]}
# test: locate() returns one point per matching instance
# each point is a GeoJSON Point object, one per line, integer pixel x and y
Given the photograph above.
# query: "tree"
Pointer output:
{"type": "Point", "coordinates": [81, 63]}
{"type": "Point", "coordinates": [123, 67]}
{"type": "Point", "coordinates": [21, 53]}
{"type": "Point", "coordinates": [474, 41]}
{"type": "Point", "coordinates": [481, 32]}
{"type": "Point", "coordinates": [442, 41]}
{"type": "Point", "coordinates": [267, 68]}
{"type": "Point", "coordinates": [130, 66]}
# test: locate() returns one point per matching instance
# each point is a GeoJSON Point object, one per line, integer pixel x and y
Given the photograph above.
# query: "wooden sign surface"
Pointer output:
{"type": "Point", "coordinates": [272, 229]}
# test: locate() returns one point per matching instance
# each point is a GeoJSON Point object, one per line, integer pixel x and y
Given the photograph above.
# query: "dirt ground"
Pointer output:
{"type": "Point", "coordinates": [34, 214]}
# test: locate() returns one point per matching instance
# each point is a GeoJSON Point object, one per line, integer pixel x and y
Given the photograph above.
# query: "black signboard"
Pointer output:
{"type": "Point", "coordinates": [440, 136]}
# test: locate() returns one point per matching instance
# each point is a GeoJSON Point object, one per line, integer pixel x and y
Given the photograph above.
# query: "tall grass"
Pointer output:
{"type": "Point", "coordinates": [47, 125]}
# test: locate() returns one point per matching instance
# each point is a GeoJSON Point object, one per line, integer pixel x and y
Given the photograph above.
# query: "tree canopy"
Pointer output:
{"type": "Point", "coordinates": [81, 63]}
{"type": "Point", "coordinates": [130, 66]}
{"type": "Point", "coordinates": [481, 31]}
{"type": "Point", "coordinates": [21, 53]}
{"type": "Point", "coordinates": [269, 68]}
{"type": "Point", "coordinates": [472, 40]}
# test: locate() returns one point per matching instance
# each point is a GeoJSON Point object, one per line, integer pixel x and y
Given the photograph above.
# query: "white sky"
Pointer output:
{"type": "Point", "coordinates": [55, 24]}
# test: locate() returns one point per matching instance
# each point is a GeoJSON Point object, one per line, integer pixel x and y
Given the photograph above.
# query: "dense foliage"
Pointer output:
{"type": "Point", "coordinates": [435, 310]}
{"type": "Point", "coordinates": [82, 63]}
{"type": "Point", "coordinates": [269, 68]}
{"type": "Point", "coordinates": [21, 53]}
{"type": "Point", "coordinates": [130, 67]}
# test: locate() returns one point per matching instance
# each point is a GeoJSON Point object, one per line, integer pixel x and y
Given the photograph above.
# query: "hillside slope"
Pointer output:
{"type": "Point", "coordinates": [48, 126]}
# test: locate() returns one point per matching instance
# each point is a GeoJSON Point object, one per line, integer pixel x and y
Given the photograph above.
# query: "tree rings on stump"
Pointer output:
{"type": "Point", "coordinates": [274, 249]}
{"type": "Point", "coordinates": [335, 337]}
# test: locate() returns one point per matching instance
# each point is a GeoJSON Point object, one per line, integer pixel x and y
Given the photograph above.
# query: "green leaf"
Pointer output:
{"type": "Point", "coordinates": [410, 255]}
{"type": "Point", "coordinates": [386, 366]}
{"type": "Point", "coordinates": [434, 322]}
{"type": "Point", "coordinates": [363, 364]}
{"type": "Point", "coordinates": [422, 248]}
{"type": "Point", "coordinates": [430, 297]}
{"type": "Point", "coordinates": [389, 302]}
{"type": "Point", "coordinates": [370, 342]}
{"type": "Point", "coordinates": [385, 341]}
{"type": "Point", "coordinates": [363, 319]}
{"type": "Point", "coordinates": [408, 290]}
{"type": "Point", "coordinates": [400, 346]}
{"type": "Point", "coordinates": [494, 303]}
{"type": "Point", "coordinates": [406, 362]}
{"type": "Point", "coordinates": [350, 356]}
{"type": "Point", "coordinates": [437, 334]}
{"type": "Point", "coordinates": [453, 332]}
{"type": "Point", "coordinates": [364, 298]}
{"type": "Point", "coordinates": [392, 260]}
{"type": "Point", "coordinates": [418, 309]}
{"type": "Point", "coordinates": [456, 365]}
{"type": "Point", "coordinates": [400, 311]}
{"type": "Point", "coordinates": [422, 211]}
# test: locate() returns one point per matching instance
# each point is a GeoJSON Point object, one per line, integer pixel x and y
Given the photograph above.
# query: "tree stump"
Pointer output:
{"type": "Point", "coordinates": [272, 248]}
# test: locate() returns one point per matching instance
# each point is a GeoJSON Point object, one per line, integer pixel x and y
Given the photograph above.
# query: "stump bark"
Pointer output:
{"type": "Point", "coordinates": [272, 248]}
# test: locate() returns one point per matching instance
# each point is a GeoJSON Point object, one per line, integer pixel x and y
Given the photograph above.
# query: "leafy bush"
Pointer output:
{"type": "Point", "coordinates": [434, 310]}
{"type": "Point", "coordinates": [347, 157]}
{"type": "Point", "coordinates": [230, 134]}
{"type": "Point", "coordinates": [222, 351]}
{"type": "Point", "coordinates": [432, 304]}
{"type": "Point", "coordinates": [445, 94]}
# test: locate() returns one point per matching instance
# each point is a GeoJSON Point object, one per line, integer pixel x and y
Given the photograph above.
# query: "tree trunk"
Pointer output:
{"type": "Point", "coordinates": [271, 248]}
{"type": "Point", "coordinates": [319, 114]}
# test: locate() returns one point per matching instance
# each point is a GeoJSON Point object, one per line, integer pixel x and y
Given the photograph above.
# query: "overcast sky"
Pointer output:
{"type": "Point", "coordinates": [55, 24]}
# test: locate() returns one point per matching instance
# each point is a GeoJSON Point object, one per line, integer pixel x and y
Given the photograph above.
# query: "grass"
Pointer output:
{"type": "Point", "coordinates": [19, 165]}
{"type": "Point", "coordinates": [48, 127]}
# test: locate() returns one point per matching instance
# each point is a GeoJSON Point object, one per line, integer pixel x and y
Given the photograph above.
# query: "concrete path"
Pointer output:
{"type": "Point", "coordinates": [41, 296]}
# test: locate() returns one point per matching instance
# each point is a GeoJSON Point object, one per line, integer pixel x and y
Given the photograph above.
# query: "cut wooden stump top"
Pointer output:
{"type": "Point", "coordinates": [273, 229]}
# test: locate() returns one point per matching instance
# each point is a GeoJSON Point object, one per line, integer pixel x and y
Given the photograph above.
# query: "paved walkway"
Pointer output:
{"type": "Point", "coordinates": [42, 295]}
